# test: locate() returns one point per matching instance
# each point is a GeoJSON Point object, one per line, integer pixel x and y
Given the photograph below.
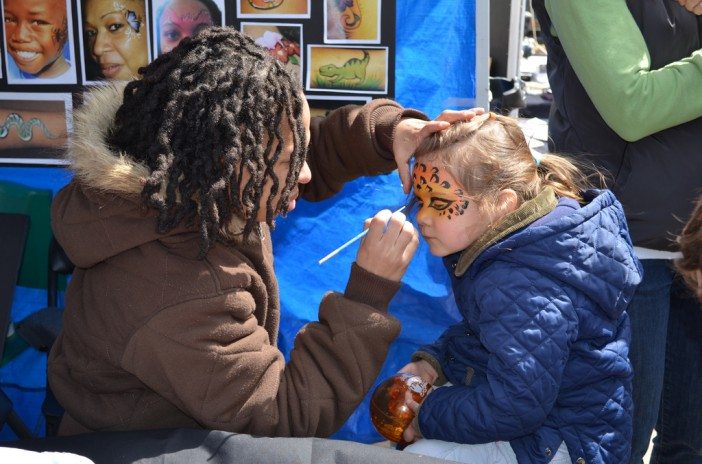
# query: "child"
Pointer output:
{"type": "Point", "coordinates": [172, 313]}
{"type": "Point", "coordinates": [37, 35]}
{"type": "Point", "coordinates": [542, 272]}
{"type": "Point", "coordinates": [690, 265]}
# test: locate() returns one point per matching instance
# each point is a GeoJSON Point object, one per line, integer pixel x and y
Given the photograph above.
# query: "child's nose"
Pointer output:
{"type": "Point", "coordinates": [22, 32]}
{"type": "Point", "coordinates": [422, 217]}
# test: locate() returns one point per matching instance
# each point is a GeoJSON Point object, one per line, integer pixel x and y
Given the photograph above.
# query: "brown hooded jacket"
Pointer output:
{"type": "Point", "coordinates": [154, 337]}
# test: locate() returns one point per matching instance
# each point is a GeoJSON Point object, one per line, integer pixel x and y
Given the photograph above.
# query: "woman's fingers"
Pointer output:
{"type": "Point", "coordinates": [389, 246]}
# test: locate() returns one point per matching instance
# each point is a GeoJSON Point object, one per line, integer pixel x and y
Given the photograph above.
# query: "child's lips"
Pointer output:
{"type": "Point", "coordinates": [25, 56]}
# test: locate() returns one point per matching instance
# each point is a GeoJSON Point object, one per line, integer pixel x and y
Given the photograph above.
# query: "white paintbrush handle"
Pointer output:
{"type": "Point", "coordinates": [357, 237]}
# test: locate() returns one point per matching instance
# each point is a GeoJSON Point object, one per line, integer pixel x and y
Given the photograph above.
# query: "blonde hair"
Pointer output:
{"type": "Point", "coordinates": [490, 153]}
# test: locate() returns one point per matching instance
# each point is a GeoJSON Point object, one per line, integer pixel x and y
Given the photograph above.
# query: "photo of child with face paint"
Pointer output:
{"type": "Point", "coordinates": [542, 270]}
{"type": "Point", "coordinates": [37, 41]}
{"type": "Point", "coordinates": [177, 19]}
{"type": "Point", "coordinates": [114, 38]}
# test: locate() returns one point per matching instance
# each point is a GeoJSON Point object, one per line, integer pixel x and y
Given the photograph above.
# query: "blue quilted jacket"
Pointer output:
{"type": "Point", "coordinates": [541, 355]}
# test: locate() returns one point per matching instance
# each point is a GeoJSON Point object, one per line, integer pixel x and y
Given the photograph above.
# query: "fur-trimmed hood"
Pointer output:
{"type": "Point", "coordinates": [101, 213]}
{"type": "Point", "coordinates": [94, 164]}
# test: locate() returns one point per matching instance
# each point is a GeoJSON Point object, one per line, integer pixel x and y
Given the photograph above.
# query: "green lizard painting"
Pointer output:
{"type": "Point", "coordinates": [354, 68]}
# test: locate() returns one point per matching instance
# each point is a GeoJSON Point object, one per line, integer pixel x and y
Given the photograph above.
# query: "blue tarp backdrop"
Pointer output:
{"type": "Point", "coordinates": [435, 65]}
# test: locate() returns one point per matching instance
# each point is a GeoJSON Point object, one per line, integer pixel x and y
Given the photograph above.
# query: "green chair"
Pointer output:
{"type": "Point", "coordinates": [36, 203]}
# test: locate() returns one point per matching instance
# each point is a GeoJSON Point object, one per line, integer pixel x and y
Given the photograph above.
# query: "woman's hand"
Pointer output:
{"type": "Point", "coordinates": [410, 132]}
{"type": "Point", "coordinates": [389, 245]}
{"type": "Point", "coordinates": [693, 6]}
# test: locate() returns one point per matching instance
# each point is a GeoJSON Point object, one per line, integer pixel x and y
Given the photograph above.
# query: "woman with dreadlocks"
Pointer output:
{"type": "Point", "coordinates": [172, 314]}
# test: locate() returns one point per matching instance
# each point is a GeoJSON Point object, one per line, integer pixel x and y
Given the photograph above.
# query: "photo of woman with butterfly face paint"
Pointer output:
{"type": "Point", "coordinates": [115, 39]}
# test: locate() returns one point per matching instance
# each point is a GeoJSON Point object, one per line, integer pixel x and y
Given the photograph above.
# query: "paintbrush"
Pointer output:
{"type": "Point", "coordinates": [357, 237]}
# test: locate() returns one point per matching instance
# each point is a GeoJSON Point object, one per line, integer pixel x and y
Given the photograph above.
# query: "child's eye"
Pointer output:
{"type": "Point", "coordinates": [39, 22]}
{"type": "Point", "coordinates": [10, 20]}
{"type": "Point", "coordinates": [439, 204]}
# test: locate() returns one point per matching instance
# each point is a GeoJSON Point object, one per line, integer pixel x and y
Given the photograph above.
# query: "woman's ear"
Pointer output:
{"type": "Point", "coordinates": [507, 201]}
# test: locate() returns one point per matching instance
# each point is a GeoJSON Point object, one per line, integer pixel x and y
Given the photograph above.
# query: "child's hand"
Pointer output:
{"type": "Point", "coordinates": [410, 132]}
{"type": "Point", "coordinates": [411, 433]}
{"type": "Point", "coordinates": [389, 246]}
{"type": "Point", "coordinates": [423, 369]}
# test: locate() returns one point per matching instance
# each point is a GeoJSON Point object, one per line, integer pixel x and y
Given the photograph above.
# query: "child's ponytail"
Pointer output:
{"type": "Point", "coordinates": [563, 175]}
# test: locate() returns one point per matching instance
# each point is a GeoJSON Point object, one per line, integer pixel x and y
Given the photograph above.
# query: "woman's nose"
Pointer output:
{"type": "Point", "coordinates": [305, 174]}
{"type": "Point", "coordinates": [101, 45]}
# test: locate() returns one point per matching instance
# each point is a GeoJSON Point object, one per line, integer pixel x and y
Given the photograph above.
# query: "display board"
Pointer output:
{"type": "Point", "coordinates": [343, 51]}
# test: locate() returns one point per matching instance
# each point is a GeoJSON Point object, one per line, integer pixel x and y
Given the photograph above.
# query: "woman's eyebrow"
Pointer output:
{"type": "Point", "coordinates": [109, 13]}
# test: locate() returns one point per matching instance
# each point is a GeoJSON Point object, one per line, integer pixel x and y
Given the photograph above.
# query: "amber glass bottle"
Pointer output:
{"type": "Point", "coordinates": [389, 408]}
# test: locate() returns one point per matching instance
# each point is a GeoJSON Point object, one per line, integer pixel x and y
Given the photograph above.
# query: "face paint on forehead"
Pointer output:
{"type": "Point", "coordinates": [435, 190]}
{"type": "Point", "coordinates": [201, 17]}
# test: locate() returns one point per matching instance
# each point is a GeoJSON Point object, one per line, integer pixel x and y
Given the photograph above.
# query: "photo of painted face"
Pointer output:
{"type": "Point", "coordinates": [283, 42]}
{"type": "Point", "coordinates": [178, 19]}
{"type": "Point", "coordinates": [115, 39]}
{"type": "Point", "coordinates": [37, 42]}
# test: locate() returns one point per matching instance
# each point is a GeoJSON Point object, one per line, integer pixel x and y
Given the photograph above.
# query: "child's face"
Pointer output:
{"type": "Point", "coordinates": [36, 31]}
{"type": "Point", "coordinates": [447, 219]}
{"type": "Point", "coordinates": [116, 34]}
{"type": "Point", "coordinates": [282, 167]}
{"type": "Point", "coordinates": [180, 19]}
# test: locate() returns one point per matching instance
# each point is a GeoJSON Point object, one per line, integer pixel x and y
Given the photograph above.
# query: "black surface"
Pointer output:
{"type": "Point", "coordinates": [13, 235]}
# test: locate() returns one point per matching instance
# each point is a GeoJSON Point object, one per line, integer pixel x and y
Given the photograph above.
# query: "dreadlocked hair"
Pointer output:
{"type": "Point", "coordinates": [203, 117]}
{"type": "Point", "coordinates": [490, 153]}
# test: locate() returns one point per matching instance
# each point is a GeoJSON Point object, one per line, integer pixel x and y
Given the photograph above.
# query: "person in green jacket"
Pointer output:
{"type": "Point", "coordinates": [626, 78]}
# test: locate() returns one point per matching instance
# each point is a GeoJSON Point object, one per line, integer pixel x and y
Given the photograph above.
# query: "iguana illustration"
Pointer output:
{"type": "Point", "coordinates": [352, 69]}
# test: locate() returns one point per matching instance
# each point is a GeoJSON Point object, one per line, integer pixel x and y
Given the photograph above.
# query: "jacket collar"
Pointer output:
{"type": "Point", "coordinates": [528, 212]}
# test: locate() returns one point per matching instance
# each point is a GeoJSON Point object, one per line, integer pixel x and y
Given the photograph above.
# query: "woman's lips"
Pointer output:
{"type": "Point", "coordinates": [110, 70]}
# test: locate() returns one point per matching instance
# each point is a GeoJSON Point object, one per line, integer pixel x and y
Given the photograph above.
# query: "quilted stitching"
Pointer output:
{"type": "Point", "coordinates": [547, 305]}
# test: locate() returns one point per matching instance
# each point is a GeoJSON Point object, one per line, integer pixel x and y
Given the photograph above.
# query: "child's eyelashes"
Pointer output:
{"type": "Point", "coordinates": [440, 204]}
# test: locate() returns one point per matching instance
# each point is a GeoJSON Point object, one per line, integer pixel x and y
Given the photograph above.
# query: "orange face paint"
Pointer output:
{"type": "Point", "coordinates": [437, 194]}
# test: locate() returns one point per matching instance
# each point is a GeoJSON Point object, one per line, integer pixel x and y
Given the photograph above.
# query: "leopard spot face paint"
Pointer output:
{"type": "Point", "coordinates": [446, 219]}
{"type": "Point", "coordinates": [438, 192]}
